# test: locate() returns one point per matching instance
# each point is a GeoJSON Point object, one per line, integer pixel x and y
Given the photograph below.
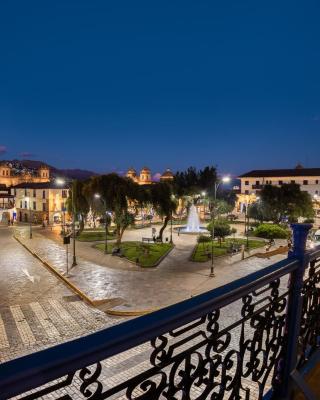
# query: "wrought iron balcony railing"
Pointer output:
{"type": "Point", "coordinates": [251, 339]}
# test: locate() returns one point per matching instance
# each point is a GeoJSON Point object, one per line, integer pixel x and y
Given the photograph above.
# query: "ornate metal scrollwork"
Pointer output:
{"type": "Point", "coordinates": [228, 353]}
{"type": "Point", "coordinates": [309, 340]}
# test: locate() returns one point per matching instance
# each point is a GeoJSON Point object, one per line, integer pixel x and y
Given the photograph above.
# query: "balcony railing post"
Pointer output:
{"type": "Point", "coordinates": [294, 308]}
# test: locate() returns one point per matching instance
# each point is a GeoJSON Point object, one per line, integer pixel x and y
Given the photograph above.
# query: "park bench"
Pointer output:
{"type": "Point", "coordinates": [148, 240]}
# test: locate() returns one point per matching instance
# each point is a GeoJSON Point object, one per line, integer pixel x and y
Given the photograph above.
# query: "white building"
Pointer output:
{"type": "Point", "coordinates": [253, 181]}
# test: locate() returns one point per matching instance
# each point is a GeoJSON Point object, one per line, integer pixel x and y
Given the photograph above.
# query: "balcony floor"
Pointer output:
{"type": "Point", "coordinates": [313, 381]}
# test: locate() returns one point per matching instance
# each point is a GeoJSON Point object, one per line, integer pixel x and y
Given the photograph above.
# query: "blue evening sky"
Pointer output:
{"type": "Point", "coordinates": [104, 85]}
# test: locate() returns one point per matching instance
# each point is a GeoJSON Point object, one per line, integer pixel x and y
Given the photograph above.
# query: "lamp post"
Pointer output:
{"type": "Point", "coordinates": [28, 199]}
{"type": "Point", "coordinates": [203, 194]}
{"type": "Point", "coordinates": [171, 227]}
{"type": "Point", "coordinates": [98, 196]}
{"type": "Point", "coordinates": [225, 179]}
{"type": "Point", "coordinates": [71, 187]}
{"type": "Point", "coordinates": [247, 220]}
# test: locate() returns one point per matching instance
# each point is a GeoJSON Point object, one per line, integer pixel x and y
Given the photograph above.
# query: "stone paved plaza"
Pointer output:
{"type": "Point", "coordinates": [37, 310]}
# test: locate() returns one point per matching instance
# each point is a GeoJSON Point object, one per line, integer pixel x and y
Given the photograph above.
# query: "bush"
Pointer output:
{"type": "Point", "coordinates": [221, 228]}
{"type": "Point", "coordinates": [271, 231]}
{"type": "Point", "coordinates": [203, 239]}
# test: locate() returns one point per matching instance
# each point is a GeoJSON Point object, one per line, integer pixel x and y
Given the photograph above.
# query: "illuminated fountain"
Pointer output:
{"type": "Point", "coordinates": [193, 223]}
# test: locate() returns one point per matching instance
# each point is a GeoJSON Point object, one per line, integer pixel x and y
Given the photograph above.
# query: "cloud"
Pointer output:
{"type": "Point", "coordinates": [3, 149]}
{"type": "Point", "coordinates": [26, 154]}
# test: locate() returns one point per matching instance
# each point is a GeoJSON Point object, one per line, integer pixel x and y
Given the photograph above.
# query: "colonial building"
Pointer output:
{"type": "Point", "coordinates": [252, 182]}
{"type": "Point", "coordinates": [145, 178]}
{"type": "Point", "coordinates": [11, 177]}
{"type": "Point", "coordinates": [6, 204]}
{"type": "Point", "coordinates": [40, 202]}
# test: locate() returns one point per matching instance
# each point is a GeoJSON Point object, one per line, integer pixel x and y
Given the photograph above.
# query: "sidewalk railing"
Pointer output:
{"type": "Point", "coordinates": [251, 339]}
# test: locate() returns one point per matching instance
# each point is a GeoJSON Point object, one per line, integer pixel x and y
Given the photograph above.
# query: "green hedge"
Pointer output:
{"type": "Point", "coordinates": [271, 231]}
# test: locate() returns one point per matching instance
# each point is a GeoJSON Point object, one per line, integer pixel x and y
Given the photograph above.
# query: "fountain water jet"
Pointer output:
{"type": "Point", "coordinates": [193, 223]}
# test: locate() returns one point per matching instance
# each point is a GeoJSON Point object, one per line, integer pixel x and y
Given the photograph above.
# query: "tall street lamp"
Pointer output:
{"type": "Point", "coordinates": [171, 230]}
{"type": "Point", "coordinates": [225, 179]}
{"type": "Point", "coordinates": [70, 186]}
{"type": "Point", "coordinates": [28, 200]}
{"type": "Point", "coordinates": [98, 196]}
{"type": "Point", "coordinates": [247, 221]}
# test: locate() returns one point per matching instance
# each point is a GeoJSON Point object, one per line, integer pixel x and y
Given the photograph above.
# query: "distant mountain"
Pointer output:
{"type": "Point", "coordinates": [80, 174]}
{"type": "Point", "coordinates": [32, 166]}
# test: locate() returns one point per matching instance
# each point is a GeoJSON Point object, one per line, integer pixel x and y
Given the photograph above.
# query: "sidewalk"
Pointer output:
{"type": "Point", "coordinates": [103, 277]}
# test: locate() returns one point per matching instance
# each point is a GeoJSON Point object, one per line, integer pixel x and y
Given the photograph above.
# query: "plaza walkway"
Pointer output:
{"type": "Point", "coordinates": [36, 309]}
{"type": "Point", "coordinates": [103, 276]}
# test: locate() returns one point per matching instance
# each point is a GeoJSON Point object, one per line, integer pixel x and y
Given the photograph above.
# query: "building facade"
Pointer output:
{"type": "Point", "coordinates": [145, 177]}
{"type": "Point", "coordinates": [40, 202]}
{"type": "Point", "coordinates": [253, 182]}
{"type": "Point", "coordinates": [10, 177]}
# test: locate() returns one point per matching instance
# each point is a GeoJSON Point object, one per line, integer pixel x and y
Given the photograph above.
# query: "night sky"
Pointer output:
{"type": "Point", "coordinates": [104, 85]}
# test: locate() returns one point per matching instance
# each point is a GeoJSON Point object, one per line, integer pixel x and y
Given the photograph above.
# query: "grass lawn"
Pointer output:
{"type": "Point", "coordinates": [93, 235]}
{"type": "Point", "coordinates": [203, 249]}
{"type": "Point", "coordinates": [148, 254]}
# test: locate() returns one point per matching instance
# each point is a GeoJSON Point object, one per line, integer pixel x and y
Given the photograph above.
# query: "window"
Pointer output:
{"type": "Point", "coordinates": [34, 193]}
{"type": "Point", "coordinates": [43, 194]}
{"type": "Point", "coordinates": [305, 182]}
{"type": "Point", "coordinates": [20, 203]}
{"type": "Point", "coordinates": [25, 192]}
{"type": "Point", "coordinates": [44, 208]}
{"type": "Point", "coordinates": [257, 183]}
{"type": "Point", "coordinates": [293, 181]}
{"type": "Point", "coordinates": [25, 204]}
{"type": "Point", "coordinates": [64, 194]}
{"type": "Point", "coordinates": [246, 183]}
{"type": "Point", "coordinates": [62, 206]}
{"type": "Point", "coordinates": [246, 192]}
{"type": "Point", "coordinates": [34, 205]}
{"type": "Point", "coordinates": [280, 182]}
{"type": "Point", "coordinates": [317, 182]}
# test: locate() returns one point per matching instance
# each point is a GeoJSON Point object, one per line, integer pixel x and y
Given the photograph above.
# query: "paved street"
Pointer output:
{"type": "Point", "coordinates": [176, 278]}
{"type": "Point", "coordinates": [36, 309]}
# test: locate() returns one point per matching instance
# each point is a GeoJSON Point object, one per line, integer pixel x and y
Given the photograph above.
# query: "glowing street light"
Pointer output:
{"type": "Point", "coordinates": [28, 200]}
{"type": "Point", "coordinates": [98, 196]}
{"type": "Point", "coordinates": [62, 182]}
{"type": "Point", "coordinates": [224, 179]}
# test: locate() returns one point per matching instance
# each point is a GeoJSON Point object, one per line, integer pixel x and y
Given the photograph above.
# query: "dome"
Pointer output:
{"type": "Point", "coordinates": [131, 171]}
{"type": "Point", "coordinates": [145, 170]}
{"type": "Point", "coordinates": [167, 173]}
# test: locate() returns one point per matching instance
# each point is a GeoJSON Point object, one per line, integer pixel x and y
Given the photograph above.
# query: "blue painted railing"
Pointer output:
{"type": "Point", "coordinates": [251, 339]}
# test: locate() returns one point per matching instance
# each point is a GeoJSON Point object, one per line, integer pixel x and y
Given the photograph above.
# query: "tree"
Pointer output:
{"type": "Point", "coordinates": [286, 201]}
{"type": "Point", "coordinates": [115, 192]}
{"type": "Point", "coordinates": [163, 202]}
{"type": "Point", "coordinates": [192, 181]}
{"type": "Point", "coordinates": [221, 229]}
{"type": "Point", "coordinates": [77, 203]}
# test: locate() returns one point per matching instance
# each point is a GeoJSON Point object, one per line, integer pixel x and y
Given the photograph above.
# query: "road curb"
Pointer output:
{"type": "Point", "coordinates": [127, 313]}
{"type": "Point", "coordinates": [66, 281]}
{"type": "Point", "coordinates": [80, 293]}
